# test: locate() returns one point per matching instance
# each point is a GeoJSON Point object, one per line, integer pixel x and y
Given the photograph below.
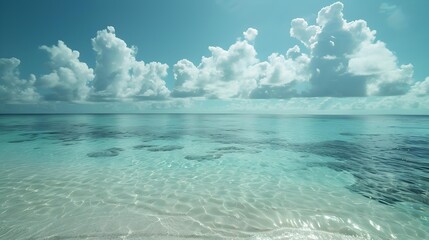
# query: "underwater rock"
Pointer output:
{"type": "Point", "coordinates": [406, 158]}
{"type": "Point", "coordinates": [69, 143]}
{"type": "Point", "coordinates": [347, 134]}
{"type": "Point", "coordinates": [230, 148]}
{"type": "Point", "coordinates": [165, 148]}
{"type": "Point", "coordinates": [143, 146]}
{"type": "Point", "coordinates": [200, 158]}
{"type": "Point", "coordinates": [116, 149]}
{"type": "Point", "coordinates": [234, 149]}
{"type": "Point", "coordinates": [53, 133]}
{"type": "Point", "coordinates": [22, 140]}
{"type": "Point", "coordinates": [111, 152]}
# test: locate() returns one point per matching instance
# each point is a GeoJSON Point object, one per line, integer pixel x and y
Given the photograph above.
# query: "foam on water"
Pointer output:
{"type": "Point", "coordinates": [213, 177]}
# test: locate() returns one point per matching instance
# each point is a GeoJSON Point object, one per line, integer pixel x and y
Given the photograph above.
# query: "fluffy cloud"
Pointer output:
{"type": "Point", "coordinates": [381, 71]}
{"type": "Point", "coordinates": [118, 75]}
{"type": "Point", "coordinates": [347, 60]}
{"type": "Point", "coordinates": [421, 88]}
{"type": "Point", "coordinates": [69, 79]}
{"type": "Point", "coordinates": [301, 31]}
{"type": "Point", "coordinates": [225, 74]}
{"type": "Point", "coordinates": [283, 76]}
{"type": "Point", "coordinates": [250, 34]}
{"type": "Point", "coordinates": [343, 59]}
{"type": "Point", "coordinates": [337, 58]}
{"type": "Point", "coordinates": [238, 73]}
{"type": "Point", "coordinates": [12, 87]}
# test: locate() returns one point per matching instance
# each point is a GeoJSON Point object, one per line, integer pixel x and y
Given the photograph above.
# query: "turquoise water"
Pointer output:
{"type": "Point", "coordinates": [173, 176]}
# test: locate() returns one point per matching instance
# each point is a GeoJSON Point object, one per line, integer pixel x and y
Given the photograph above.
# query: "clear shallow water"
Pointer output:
{"type": "Point", "coordinates": [214, 177]}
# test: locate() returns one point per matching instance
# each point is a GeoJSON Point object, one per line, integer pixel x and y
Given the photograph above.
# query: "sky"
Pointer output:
{"type": "Point", "coordinates": [275, 56]}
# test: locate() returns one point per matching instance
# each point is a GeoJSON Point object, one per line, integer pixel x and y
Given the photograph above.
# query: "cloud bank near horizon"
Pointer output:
{"type": "Point", "coordinates": [337, 58]}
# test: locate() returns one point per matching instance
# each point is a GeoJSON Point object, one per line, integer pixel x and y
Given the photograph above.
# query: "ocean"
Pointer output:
{"type": "Point", "coordinates": [214, 176]}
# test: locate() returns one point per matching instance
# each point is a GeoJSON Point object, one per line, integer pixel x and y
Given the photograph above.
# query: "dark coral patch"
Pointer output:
{"type": "Point", "coordinates": [200, 158]}
{"type": "Point", "coordinates": [165, 148]}
{"type": "Point", "coordinates": [143, 146]}
{"type": "Point", "coordinates": [111, 152]}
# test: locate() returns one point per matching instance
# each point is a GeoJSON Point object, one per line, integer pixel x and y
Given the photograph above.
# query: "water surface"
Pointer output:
{"type": "Point", "coordinates": [179, 176]}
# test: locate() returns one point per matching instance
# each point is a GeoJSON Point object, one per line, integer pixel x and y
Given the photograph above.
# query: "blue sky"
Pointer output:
{"type": "Point", "coordinates": [147, 55]}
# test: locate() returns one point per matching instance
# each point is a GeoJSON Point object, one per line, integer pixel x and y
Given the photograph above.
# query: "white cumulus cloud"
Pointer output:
{"type": "Point", "coordinates": [340, 59]}
{"type": "Point", "coordinates": [227, 73]}
{"type": "Point", "coordinates": [420, 88]}
{"type": "Point", "coordinates": [250, 34]}
{"type": "Point", "coordinates": [301, 31]}
{"type": "Point", "coordinates": [12, 87]}
{"type": "Point", "coordinates": [380, 68]}
{"type": "Point", "coordinates": [283, 76]}
{"type": "Point", "coordinates": [118, 75]}
{"type": "Point", "coordinates": [346, 58]}
{"type": "Point", "coordinates": [337, 58]}
{"type": "Point", "coordinates": [69, 79]}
